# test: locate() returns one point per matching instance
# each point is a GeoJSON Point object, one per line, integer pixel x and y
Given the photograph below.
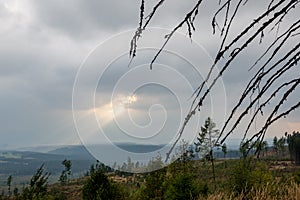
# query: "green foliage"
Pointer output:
{"type": "Point", "coordinates": [37, 188]}
{"type": "Point", "coordinates": [294, 146]}
{"type": "Point", "coordinates": [207, 138]}
{"type": "Point", "coordinates": [155, 163]}
{"type": "Point", "coordinates": [119, 191]}
{"type": "Point", "coordinates": [275, 143]}
{"type": "Point", "coordinates": [182, 187]}
{"type": "Point", "coordinates": [297, 176]}
{"type": "Point", "coordinates": [248, 175]}
{"type": "Point", "coordinates": [138, 193]}
{"type": "Point", "coordinates": [279, 144]}
{"type": "Point", "coordinates": [260, 176]}
{"type": "Point", "coordinates": [153, 188]}
{"type": "Point", "coordinates": [184, 152]}
{"type": "Point", "coordinates": [177, 181]}
{"type": "Point", "coordinates": [130, 164]}
{"type": "Point", "coordinates": [206, 142]}
{"type": "Point", "coordinates": [240, 176]}
{"type": "Point", "coordinates": [66, 172]}
{"type": "Point", "coordinates": [9, 180]}
{"type": "Point", "coordinates": [16, 191]}
{"type": "Point", "coordinates": [224, 150]}
{"type": "Point", "coordinates": [98, 187]}
{"type": "Point", "coordinates": [56, 193]}
{"type": "Point", "coordinates": [245, 148]}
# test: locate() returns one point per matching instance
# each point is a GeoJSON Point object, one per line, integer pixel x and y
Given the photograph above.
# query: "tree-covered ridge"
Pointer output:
{"type": "Point", "coordinates": [272, 175]}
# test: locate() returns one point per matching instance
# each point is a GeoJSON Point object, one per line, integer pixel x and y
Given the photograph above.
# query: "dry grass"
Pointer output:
{"type": "Point", "coordinates": [269, 192]}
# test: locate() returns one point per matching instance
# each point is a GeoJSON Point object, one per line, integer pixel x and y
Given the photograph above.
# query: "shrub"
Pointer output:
{"type": "Point", "coordinates": [297, 176]}
{"type": "Point", "coordinates": [153, 188]}
{"type": "Point", "coordinates": [97, 186]}
{"type": "Point", "coordinates": [249, 175]}
{"type": "Point", "coordinates": [181, 186]}
{"type": "Point", "coordinates": [37, 188]}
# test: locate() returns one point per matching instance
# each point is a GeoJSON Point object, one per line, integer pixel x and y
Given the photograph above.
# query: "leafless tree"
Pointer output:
{"type": "Point", "coordinates": [278, 59]}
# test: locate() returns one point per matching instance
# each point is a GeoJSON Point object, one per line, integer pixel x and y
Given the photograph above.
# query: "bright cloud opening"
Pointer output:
{"type": "Point", "coordinates": [110, 111]}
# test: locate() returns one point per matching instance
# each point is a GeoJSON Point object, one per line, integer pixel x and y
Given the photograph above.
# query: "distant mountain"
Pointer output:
{"type": "Point", "coordinates": [23, 163]}
{"type": "Point", "coordinates": [139, 148]}
{"type": "Point", "coordinates": [77, 152]}
{"type": "Point", "coordinates": [26, 162]}
{"type": "Point", "coordinates": [41, 149]}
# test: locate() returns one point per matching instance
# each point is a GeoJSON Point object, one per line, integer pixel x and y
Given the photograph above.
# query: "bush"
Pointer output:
{"type": "Point", "coordinates": [153, 188]}
{"type": "Point", "coordinates": [182, 187]}
{"type": "Point", "coordinates": [249, 175]}
{"type": "Point", "coordinates": [97, 186]}
{"type": "Point", "coordinates": [37, 188]}
{"type": "Point", "coordinates": [297, 176]}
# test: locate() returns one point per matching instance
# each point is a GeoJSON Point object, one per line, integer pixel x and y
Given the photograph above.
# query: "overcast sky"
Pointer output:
{"type": "Point", "coordinates": [45, 44]}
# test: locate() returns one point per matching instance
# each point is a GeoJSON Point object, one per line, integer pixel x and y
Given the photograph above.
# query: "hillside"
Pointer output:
{"type": "Point", "coordinates": [22, 164]}
{"type": "Point", "coordinates": [134, 186]}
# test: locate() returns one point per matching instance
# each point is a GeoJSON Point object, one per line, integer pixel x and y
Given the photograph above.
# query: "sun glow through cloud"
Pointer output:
{"type": "Point", "coordinates": [110, 111]}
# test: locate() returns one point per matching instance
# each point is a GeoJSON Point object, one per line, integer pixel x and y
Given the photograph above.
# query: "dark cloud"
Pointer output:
{"type": "Point", "coordinates": [80, 18]}
{"type": "Point", "coordinates": [44, 42]}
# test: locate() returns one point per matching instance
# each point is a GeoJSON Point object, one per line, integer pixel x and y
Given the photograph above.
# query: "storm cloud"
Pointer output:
{"type": "Point", "coordinates": [44, 43]}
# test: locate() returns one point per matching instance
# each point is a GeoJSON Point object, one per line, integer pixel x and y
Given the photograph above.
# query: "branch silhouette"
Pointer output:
{"type": "Point", "coordinates": [276, 61]}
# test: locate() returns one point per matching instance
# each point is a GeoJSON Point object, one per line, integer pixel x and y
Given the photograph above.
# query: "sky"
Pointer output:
{"type": "Point", "coordinates": [66, 79]}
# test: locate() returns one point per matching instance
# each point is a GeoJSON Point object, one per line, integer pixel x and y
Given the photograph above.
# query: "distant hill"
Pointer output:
{"type": "Point", "coordinates": [139, 148]}
{"type": "Point", "coordinates": [24, 163]}
{"type": "Point", "coordinates": [77, 152]}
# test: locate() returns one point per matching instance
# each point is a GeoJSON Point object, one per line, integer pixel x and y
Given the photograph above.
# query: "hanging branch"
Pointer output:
{"type": "Point", "coordinates": [256, 84]}
{"type": "Point", "coordinates": [185, 20]}
{"type": "Point", "coordinates": [141, 28]}
{"type": "Point", "coordinates": [287, 34]}
{"type": "Point", "coordinates": [214, 20]}
{"type": "Point", "coordinates": [235, 40]}
{"type": "Point", "coordinates": [270, 119]}
{"type": "Point", "coordinates": [259, 110]}
{"type": "Point", "coordinates": [262, 92]}
{"type": "Point", "coordinates": [238, 50]}
{"type": "Point", "coordinates": [257, 87]}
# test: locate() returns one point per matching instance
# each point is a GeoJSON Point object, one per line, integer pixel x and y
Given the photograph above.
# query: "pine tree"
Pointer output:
{"type": "Point", "coordinates": [206, 142]}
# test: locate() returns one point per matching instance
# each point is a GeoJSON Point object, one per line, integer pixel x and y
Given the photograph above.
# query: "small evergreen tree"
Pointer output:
{"type": "Point", "coordinates": [155, 163]}
{"type": "Point", "coordinates": [206, 142]}
{"type": "Point", "coordinates": [245, 147]}
{"type": "Point", "coordinates": [154, 185]}
{"type": "Point", "coordinates": [281, 143]}
{"type": "Point", "coordinates": [66, 172]}
{"type": "Point", "coordinates": [130, 164]}
{"type": "Point", "coordinates": [98, 187]}
{"type": "Point", "coordinates": [37, 188]}
{"type": "Point", "coordinates": [224, 150]}
{"type": "Point", "coordinates": [260, 146]}
{"type": "Point", "coordinates": [275, 144]}
{"type": "Point", "coordinates": [9, 180]}
{"type": "Point", "coordinates": [16, 191]}
{"type": "Point", "coordinates": [181, 187]}
{"type": "Point", "coordinates": [293, 141]}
